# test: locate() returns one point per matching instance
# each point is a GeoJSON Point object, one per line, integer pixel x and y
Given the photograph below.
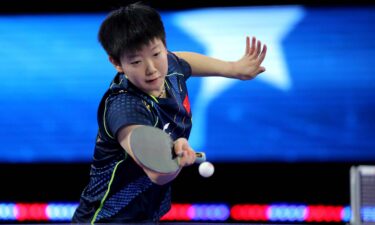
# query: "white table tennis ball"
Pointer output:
{"type": "Point", "coordinates": [206, 169]}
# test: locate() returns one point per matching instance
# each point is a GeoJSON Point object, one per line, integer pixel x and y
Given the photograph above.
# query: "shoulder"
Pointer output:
{"type": "Point", "coordinates": [126, 109]}
{"type": "Point", "coordinates": [177, 65]}
{"type": "Point", "coordinates": [174, 58]}
{"type": "Point", "coordinates": [126, 100]}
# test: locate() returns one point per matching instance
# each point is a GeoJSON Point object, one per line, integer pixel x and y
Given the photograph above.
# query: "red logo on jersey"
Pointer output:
{"type": "Point", "coordinates": [186, 104]}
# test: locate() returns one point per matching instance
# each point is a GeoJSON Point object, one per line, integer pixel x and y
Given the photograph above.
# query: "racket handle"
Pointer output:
{"type": "Point", "coordinates": [201, 157]}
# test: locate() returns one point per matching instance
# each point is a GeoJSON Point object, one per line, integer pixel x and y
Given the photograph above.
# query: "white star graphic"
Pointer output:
{"type": "Point", "coordinates": [222, 31]}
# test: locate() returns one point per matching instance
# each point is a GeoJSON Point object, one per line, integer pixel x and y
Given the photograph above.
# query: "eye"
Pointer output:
{"type": "Point", "coordinates": [135, 62]}
{"type": "Point", "coordinates": [156, 54]}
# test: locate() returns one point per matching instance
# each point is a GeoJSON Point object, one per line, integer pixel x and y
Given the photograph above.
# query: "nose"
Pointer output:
{"type": "Point", "coordinates": [150, 67]}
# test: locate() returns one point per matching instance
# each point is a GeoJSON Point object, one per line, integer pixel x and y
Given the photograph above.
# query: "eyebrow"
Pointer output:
{"type": "Point", "coordinates": [133, 55]}
{"type": "Point", "coordinates": [156, 46]}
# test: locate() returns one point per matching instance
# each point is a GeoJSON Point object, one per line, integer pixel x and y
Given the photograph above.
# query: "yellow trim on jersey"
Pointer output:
{"type": "Point", "coordinates": [104, 123]}
{"type": "Point", "coordinates": [106, 193]}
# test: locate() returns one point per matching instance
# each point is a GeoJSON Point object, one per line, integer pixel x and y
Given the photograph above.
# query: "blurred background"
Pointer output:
{"type": "Point", "coordinates": [282, 144]}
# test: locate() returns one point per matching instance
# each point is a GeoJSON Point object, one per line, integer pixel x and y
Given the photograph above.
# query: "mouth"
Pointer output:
{"type": "Point", "coordinates": [152, 80]}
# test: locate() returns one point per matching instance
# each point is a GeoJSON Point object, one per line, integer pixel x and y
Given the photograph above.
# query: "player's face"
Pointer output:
{"type": "Point", "coordinates": [147, 68]}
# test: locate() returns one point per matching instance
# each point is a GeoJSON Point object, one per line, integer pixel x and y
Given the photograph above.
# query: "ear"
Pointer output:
{"type": "Point", "coordinates": [116, 64]}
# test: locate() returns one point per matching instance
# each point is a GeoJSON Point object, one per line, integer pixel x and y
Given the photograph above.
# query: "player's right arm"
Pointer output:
{"type": "Point", "coordinates": [181, 147]}
{"type": "Point", "coordinates": [124, 112]}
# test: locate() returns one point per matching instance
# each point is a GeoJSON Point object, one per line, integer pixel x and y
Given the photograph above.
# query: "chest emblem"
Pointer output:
{"type": "Point", "coordinates": [186, 104]}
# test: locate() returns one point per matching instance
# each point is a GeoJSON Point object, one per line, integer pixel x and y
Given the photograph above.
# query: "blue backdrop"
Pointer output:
{"type": "Point", "coordinates": [315, 102]}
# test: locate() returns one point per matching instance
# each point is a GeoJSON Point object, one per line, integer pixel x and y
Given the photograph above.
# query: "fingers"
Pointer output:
{"type": "Point", "coordinates": [247, 46]}
{"type": "Point", "coordinates": [261, 69]}
{"type": "Point", "coordinates": [250, 48]}
{"type": "Point", "coordinates": [178, 147]}
{"type": "Point", "coordinates": [185, 153]}
{"type": "Point", "coordinates": [259, 46]}
{"type": "Point", "coordinates": [255, 49]}
{"type": "Point", "coordinates": [262, 54]}
{"type": "Point", "coordinates": [188, 158]}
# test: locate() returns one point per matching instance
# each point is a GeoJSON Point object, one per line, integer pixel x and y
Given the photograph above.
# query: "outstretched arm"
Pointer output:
{"type": "Point", "coordinates": [246, 68]}
{"type": "Point", "coordinates": [181, 147]}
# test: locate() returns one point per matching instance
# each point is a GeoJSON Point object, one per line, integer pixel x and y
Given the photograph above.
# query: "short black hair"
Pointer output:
{"type": "Point", "coordinates": [127, 29]}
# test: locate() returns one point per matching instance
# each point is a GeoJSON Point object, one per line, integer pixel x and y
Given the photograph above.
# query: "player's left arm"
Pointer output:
{"type": "Point", "coordinates": [246, 68]}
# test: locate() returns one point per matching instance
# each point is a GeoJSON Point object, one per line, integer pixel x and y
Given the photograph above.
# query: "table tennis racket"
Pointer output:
{"type": "Point", "coordinates": [153, 148]}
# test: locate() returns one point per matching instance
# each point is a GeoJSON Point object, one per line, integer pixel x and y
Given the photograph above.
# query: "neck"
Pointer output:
{"type": "Point", "coordinates": [162, 93]}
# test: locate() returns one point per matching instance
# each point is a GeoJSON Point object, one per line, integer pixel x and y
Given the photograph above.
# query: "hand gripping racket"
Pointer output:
{"type": "Point", "coordinates": [153, 148]}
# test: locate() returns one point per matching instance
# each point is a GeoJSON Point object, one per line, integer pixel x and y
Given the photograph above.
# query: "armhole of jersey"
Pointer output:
{"type": "Point", "coordinates": [105, 106]}
{"type": "Point", "coordinates": [104, 119]}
